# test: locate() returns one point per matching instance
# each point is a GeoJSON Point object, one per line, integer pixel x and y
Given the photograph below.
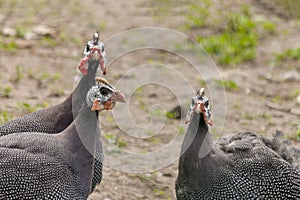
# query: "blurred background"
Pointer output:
{"type": "Point", "coordinates": [255, 44]}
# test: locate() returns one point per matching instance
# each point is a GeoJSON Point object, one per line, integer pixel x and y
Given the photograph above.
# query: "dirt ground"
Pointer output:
{"type": "Point", "coordinates": [41, 73]}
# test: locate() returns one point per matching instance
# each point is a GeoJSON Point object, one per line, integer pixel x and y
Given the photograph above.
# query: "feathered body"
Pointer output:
{"type": "Point", "coordinates": [50, 166]}
{"type": "Point", "coordinates": [244, 166]}
{"type": "Point", "coordinates": [57, 118]}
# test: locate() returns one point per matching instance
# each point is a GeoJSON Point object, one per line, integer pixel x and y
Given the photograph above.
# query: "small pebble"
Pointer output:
{"type": "Point", "coordinates": [291, 75]}
{"type": "Point", "coordinates": [298, 99]}
{"type": "Point", "coordinates": [7, 31]}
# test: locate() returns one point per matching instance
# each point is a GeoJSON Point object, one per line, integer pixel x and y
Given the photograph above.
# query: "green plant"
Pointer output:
{"type": "Point", "coordinates": [48, 42]}
{"type": "Point", "coordinates": [237, 105]}
{"type": "Point", "coordinates": [5, 92]}
{"type": "Point", "coordinates": [45, 79]}
{"type": "Point", "coordinates": [121, 143]}
{"type": "Point", "coordinates": [172, 115]}
{"type": "Point", "coordinates": [8, 46]}
{"type": "Point", "coordinates": [181, 130]}
{"type": "Point", "coordinates": [297, 135]}
{"type": "Point", "coordinates": [238, 38]}
{"type": "Point", "coordinates": [19, 74]}
{"type": "Point", "coordinates": [154, 140]}
{"type": "Point", "coordinates": [159, 192]}
{"type": "Point", "coordinates": [24, 106]}
{"type": "Point", "coordinates": [111, 138]}
{"type": "Point", "coordinates": [288, 54]}
{"type": "Point", "coordinates": [160, 9]}
{"type": "Point", "coordinates": [277, 99]}
{"type": "Point", "coordinates": [295, 93]}
{"type": "Point", "coordinates": [227, 84]}
{"type": "Point", "coordinates": [21, 31]}
{"type": "Point", "coordinates": [5, 116]}
{"type": "Point", "coordinates": [57, 91]}
{"type": "Point", "coordinates": [198, 14]}
{"type": "Point", "coordinates": [248, 116]}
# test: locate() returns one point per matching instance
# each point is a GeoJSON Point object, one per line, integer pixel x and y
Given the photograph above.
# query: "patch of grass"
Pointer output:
{"type": "Point", "coordinates": [49, 77]}
{"type": "Point", "coordinates": [157, 112]}
{"type": "Point", "coordinates": [44, 79]}
{"type": "Point", "coordinates": [277, 99]}
{"type": "Point", "coordinates": [295, 93]}
{"type": "Point", "coordinates": [263, 115]}
{"type": "Point", "coordinates": [63, 36]}
{"type": "Point", "coordinates": [101, 26]}
{"type": "Point", "coordinates": [150, 132]}
{"type": "Point", "coordinates": [8, 46]}
{"type": "Point", "coordinates": [47, 41]}
{"type": "Point", "coordinates": [297, 135]}
{"type": "Point", "coordinates": [238, 38]}
{"type": "Point", "coordinates": [290, 54]}
{"type": "Point", "coordinates": [268, 26]}
{"type": "Point", "coordinates": [143, 177]}
{"type": "Point", "coordinates": [198, 14]}
{"type": "Point", "coordinates": [5, 91]}
{"type": "Point", "coordinates": [248, 116]}
{"type": "Point", "coordinates": [19, 74]}
{"type": "Point", "coordinates": [202, 83]}
{"type": "Point", "coordinates": [21, 31]}
{"type": "Point", "coordinates": [113, 139]}
{"type": "Point", "coordinates": [138, 93]}
{"type": "Point", "coordinates": [172, 115]}
{"type": "Point", "coordinates": [159, 192]}
{"type": "Point", "coordinates": [5, 116]}
{"type": "Point", "coordinates": [121, 143]}
{"type": "Point", "coordinates": [24, 106]}
{"type": "Point", "coordinates": [154, 140]}
{"type": "Point", "coordinates": [160, 9]}
{"type": "Point", "coordinates": [57, 91]}
{"type": "Point", "coordinates": [237, 43]}
{"type": "Point", "coordinates": [109, 119]}
{"type": "Point", "coordinates": [237, 105]}
{"type": "Point", "coordinates": [227, 84]}
{"type": "Point", "coordinates": [181, 130]}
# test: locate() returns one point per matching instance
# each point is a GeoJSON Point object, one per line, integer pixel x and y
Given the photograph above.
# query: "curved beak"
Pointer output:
{"type": "Point", "coordinates": [118, 96]}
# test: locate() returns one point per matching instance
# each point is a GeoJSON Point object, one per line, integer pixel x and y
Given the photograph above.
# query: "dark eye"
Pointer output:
{"type": "Point", "coordinates": [102, 49]}
{"type": "Point", "coordinates": [104, 91]}
{"type": "Point", "coordinates": [87, 48]}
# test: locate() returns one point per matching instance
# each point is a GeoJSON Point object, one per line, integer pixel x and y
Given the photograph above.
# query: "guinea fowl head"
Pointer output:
{"type": "Point", "coordinates": [94, 51]}
{"type": "Point", "coordinates": [200, 106]}
{"type": "Point", "coordinates": [104, 96]}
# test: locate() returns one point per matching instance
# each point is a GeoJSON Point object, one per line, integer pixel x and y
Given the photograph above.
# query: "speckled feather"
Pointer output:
{"type": "Point", "coordinates": [42, 170]}
{"type": "Point", "coordinates": [55, 119]}
{"type": "Point", "coordinates": [244, 166]}
{"type": "Point", "coordinates": [50, 166]}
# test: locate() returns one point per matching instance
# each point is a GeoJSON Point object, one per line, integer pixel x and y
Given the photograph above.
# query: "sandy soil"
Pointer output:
{"type": "Point", "coordinates": [41, 73]}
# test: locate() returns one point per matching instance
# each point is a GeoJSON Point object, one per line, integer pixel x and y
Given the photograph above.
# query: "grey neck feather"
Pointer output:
{"type": "Point", "coordinates": [80, 138]}
{"type": "Point", "coordinates": [195, 152]}
{"type": "Point", "coordinates": [86, 82]}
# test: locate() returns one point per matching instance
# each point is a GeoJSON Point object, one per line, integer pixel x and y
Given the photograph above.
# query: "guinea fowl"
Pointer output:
{"type": "Point", "coordinates": [244, 166]}
{"type": "Point", "coordinates": [56, 118]}
{"type": "Point", "coordinates": [56, 166]}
